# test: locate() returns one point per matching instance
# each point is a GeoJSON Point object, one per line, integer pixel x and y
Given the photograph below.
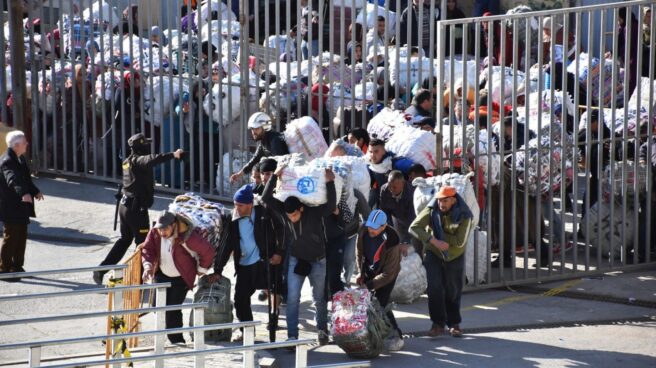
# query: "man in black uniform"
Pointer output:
{"type": "Point", "coordinates": [138, 190]}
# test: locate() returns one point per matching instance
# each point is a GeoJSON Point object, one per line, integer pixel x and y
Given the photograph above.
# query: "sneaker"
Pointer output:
{"type": "Point", "coordinates": [262, 296]}
{"type": "Point", "coordinates": [98, 277]}
{"type": "Point", "coordinates": [455, 331]}
{"type": "Point", "coordinates": [323, 338]}
{"type": "Point", "coordinates": [291, 348]}
{"type": "Point", "coordinates": [394, 344]}
{"type": "Point", "coordinates": [238, 336]}
{"type": "Point", "coordinates": [436, 331]}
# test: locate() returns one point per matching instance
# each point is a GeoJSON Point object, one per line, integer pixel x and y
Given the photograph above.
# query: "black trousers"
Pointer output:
{"type": "Point", "coordinates": [247, 283]}
{"type": "Point", "coordinates": [12, 254]}
{"type": "Point", "coordinates": [334, 264]}
{"type": "Point", "coordinates": [444, 289]}
{"type": "Point", "coordinates": [383, 296]}
{"type": "Point", "coordinates": [175, 295]}
{"type": "Point", "coordinates": [134, 227]}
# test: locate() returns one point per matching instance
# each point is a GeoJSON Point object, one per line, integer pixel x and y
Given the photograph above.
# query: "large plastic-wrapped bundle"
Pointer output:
{"type": "Point", "coordinates": [344, 184]}
{"type": "Point", "coordinates": [359, 326]}
{"type": "Point", "coordinates": [459, 68]}
{"type": "Point", "coordinates": [411, 281]}
{"type": "Point", "coordinates": [541, 161]}
{"type": "Point", "coordinates": [304, 135]}
{"type": "Point", "coordinates": [645, 87]}
{"type": "Point", "coordinates": [592, 69]}
{"type": "Point", "coordinates": [211, 6]}
{"type": "Point", "coordinates": [157, 101]}
{"type": "Point", "coordinates": [205, 215]}
{"type": "Point", "coordinates": [107, 83]}
{"type": "Point", "coordinates": [219, 310]}
{"type": "Point", "coordinates": [414, 65]}
{"type": "Point", "coordinates": [624, 179]}
{"type": "Point", "coordinates": [605, 231]}
{"type": "Point", "coordinates": [102, 12]}
{"type": "Point", "coordinates": [332, 73]}
{"type": "Point", "coordinates": [382, 125]}
{"type": "Point", "coordinates": [425, 190]}
{"type": "Point", "coordinates": [223, 103]}
{"type": "Point", "coordinates": [522, 24]}
{"type": "Point", "coordinates": [296, 72]}
{"type": "Point", "coordinates": [541, 103]}
{"type": "Point", "coordinates": [503, 78]}
{"type": "Point", "coordinates": [415, 144]}
{"type": "Point", "coordinates": [307, 182]}
{"type": "Point", "coordinates": [365, 91]}
{"type": "Point", "coordinates": [454, 143]}
{"type": "Point", "coordinates": [476, 259]}
{"type": "Point", "coordinates": [281, 100]}
{"type": "Point", "coordinates": [371, 14]}
{"type": "Point", "coordinates": [231, 162]}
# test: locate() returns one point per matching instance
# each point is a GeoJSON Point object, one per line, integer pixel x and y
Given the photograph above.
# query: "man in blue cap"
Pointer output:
{"type": "Point", "coordinates": [379, 262]}
{"type": "Point", "coordinates": [253, 244]}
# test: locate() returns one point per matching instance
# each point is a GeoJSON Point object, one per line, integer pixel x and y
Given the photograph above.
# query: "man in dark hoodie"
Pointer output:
{"type": "Point", "coordinates": [379, 261]}
{"type": "Point", "coordinates": [444, 226]}
{"type": "Point", "coordinates": [307, 254]}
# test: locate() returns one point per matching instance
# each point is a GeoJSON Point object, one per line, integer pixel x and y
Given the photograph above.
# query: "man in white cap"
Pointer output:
{"type": "Point", "coordinates": [271, 143]}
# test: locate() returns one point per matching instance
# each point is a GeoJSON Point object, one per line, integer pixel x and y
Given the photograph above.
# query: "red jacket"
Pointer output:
{"type": "Point", "coordinates": [183, 260]}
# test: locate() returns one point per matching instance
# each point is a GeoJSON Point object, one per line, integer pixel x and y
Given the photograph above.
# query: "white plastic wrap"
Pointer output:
{"type": "Point", "coordinates": [222, 108]}
{"type": "Point", "coordinates": [625, 177]}
{"type": "Point", "coordinates": [608, 231]}
{"type": "Point", "coordinates": [382, 125]}
{"type": "Point", "coordinates": [425, 190]}
{"type": "Point", "coordinates": [231, 163]}
{"type": "Point", "coordinates": [479, 259]}
{"type": "Point", "coordinates": [372, 20]}
{"type": "Point", "coordinates": [645, 87]}
{"type": "Point", "coordinates": [411, 281]}
{"type": "Point", "coordinates": [399, 76]}
{"type": "Point", "coordinates": [112, 81]}
{"type": "Point", "coordinates": [158, 102]}
{"type": "Point", "coordinates": [303, 135]}
{"type": "Point", "coordinates": [415, 144]}
{"type": "Point", "coordinates": [466, 144]}
{"type": "Point", "coordinates": [308, 183]}
{"type": "Point", "coordinates": [504, 79]}
{"type": "Point", "coordinates": [109, 13]}
{"type": "Point", "coordinates": [459, 68]}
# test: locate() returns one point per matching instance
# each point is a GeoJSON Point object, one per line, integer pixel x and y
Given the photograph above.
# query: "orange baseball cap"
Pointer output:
{"type": "Point", "coordinates": [446, 192]}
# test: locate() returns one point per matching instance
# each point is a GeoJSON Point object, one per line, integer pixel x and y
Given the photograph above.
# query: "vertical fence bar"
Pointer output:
{"type": "Point", "coordinates": [160, 324]}
{"type": "Point", "coordinates": [199, 337]}
{"type": "Point", "coordinates": [249, 340]}
{"type": "Point", "coordinates": [34, 357]}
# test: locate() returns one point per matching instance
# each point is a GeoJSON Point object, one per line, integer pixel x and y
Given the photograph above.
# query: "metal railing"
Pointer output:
{"type": "Point", "coordinates": [199, 352]}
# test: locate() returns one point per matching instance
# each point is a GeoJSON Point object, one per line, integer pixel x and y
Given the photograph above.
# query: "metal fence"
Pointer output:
{"type": "Point", "coordinates": [544, 182]}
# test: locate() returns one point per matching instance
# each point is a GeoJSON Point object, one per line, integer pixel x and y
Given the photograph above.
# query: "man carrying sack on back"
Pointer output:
{"type": "Point", "coordinates": [174, 252]}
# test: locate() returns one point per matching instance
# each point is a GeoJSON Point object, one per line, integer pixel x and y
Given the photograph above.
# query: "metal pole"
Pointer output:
{"type": "Point", "coordinates": [17, 62]}
{"type": "Point", "coordinates": [249, 340]}
{"type": "Point", "coordinates": [160, 324]}
{"type": "Point", "coordinates": [199, 337]}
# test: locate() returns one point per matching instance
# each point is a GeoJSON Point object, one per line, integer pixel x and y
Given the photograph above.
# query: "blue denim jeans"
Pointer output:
{"type": "Point", "coordinates": [349, 258]}
{"type": "Point", "coordinates": [295, 282]}
{"type": "Point", "coordinates": [305, 48]}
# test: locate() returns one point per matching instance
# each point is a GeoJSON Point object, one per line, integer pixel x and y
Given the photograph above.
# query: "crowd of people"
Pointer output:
{"type": "Point", "coordinates": [515, 131]}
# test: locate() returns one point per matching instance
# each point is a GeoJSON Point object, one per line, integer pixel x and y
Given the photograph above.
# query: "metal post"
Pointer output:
{"type": "Point", "coordinates": [160, 324]}
{"type": "Point", "coordinates": [117, 304]}
{"type": "Point", "coordinates": [301, 356]}
{"type": "Point", "coordinates": [249, 340]}
{"type": "Point", "coordinates": [34, 356]}
{"type": "Point", "coordinates": [17, 62]}
{"type": "Point", "coordinates": [199, 337]}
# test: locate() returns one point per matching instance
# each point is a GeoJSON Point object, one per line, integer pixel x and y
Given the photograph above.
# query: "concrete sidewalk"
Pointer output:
{"type": "Point", "coordinates": [599, 321]}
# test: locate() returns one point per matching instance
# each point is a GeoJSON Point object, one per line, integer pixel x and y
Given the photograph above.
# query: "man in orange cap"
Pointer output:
{"type": "Point", "coordinates": [444, 226]}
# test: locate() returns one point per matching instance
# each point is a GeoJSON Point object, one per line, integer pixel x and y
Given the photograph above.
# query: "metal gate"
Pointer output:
{"type": "Point", "coordinates": [552, 190]}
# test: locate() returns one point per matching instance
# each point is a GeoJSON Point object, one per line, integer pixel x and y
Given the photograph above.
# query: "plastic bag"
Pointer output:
{"type": "Point", "coordinates": [205, 215]}
{"type": "Point", "coordinates": [415, 144]}
{"type": "Point", "coordinates": [158, 100]}
{"type": "Point", "coordinates": [411, 281]}
{"type": "Point", "coordinates": [605, 231]}
{"type": "Point", "coordinates": [303, 135]}
{"type": "Point", "coordinates": [223, 103]}
{"type": "Point", "coordinates": [477, 239]}
{"type": "Point", "coordinates": [307, 182]}
{"type": "Point", "coordinates": [382, 125]}
{"type": "Point", "coordinates": [425, 190]}
{"type": "Point", "coordinates": [231, 162]}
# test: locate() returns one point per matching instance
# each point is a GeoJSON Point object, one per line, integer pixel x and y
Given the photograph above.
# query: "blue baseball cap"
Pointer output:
{"type": "Point", "coordinates": [377, 218]}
